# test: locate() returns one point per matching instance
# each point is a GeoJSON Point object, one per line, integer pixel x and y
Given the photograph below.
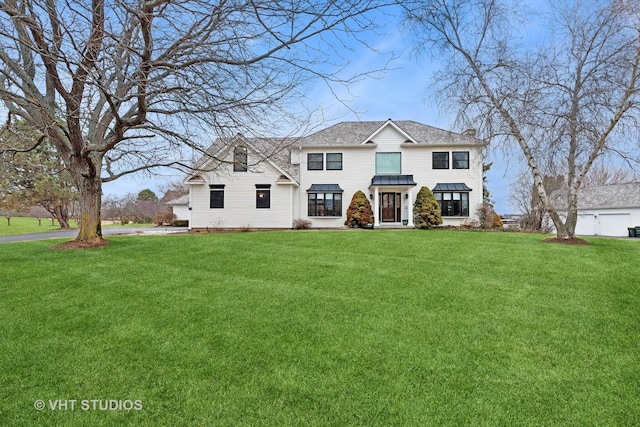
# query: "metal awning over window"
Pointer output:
{"type": "Point", "coordinates": [451, 187]}
{"type": "Point", "coordinates": [393, 180]}
{"type": "Point", "coordinates": [324, 188]}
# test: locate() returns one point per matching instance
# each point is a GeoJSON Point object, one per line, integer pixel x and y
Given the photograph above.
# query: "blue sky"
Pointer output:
{"type": "Point", "coordinates": [400, 93]}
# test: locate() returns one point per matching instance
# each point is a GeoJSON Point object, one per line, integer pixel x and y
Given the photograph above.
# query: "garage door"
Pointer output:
{"type": "Point", "coordinates": [586, 225]}
{"type": "Point", "coordinates": [614, 224]}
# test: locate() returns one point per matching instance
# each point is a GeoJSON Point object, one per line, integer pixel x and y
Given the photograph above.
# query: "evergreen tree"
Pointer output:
{"type": "Point", "coordinates": [359, 213]}
{"type": "Point", "coordinates": [31, 173]}
{"type": "Point", "coordinates": [426, 210]}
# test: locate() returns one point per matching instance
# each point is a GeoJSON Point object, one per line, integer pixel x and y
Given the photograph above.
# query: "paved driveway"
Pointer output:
{"type": "Point", "coordinates": [106, 231]}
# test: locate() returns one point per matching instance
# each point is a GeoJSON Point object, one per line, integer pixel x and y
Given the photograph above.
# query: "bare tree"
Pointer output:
{"type": "Point", "coordinates": [564, 97]}
{"type": "Point", "coordinates": [119, 86]}
{"type": "Point", "coordinates": [607, 175]}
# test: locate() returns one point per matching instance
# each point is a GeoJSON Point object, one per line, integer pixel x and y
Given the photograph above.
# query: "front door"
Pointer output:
{"type": "Point", "coordinates": [390, 206]}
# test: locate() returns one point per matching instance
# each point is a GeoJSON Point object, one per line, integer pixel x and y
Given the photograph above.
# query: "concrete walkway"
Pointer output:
{"type": "Point", "coordinates": [106, 231]}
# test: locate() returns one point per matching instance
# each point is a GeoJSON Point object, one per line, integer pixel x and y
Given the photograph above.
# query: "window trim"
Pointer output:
{"type": "Point", "coordinates": [336, 165]}
{"type": "Point", "coordinates": [451, 200]}
{"type": "Point", "coordinates": [398, 172]}
{"type": "Point", "coordinates": [433, 160]}
{"type": "Point", "coordinates": [318, 164]}
{"type": "Point", "coordinates": [453, 160]}
{"type": "Point", "coordinates": [216, 189]}
{"type": "Point", "coordinates": [333, 198]}
{"type": "Point", "coordinates": [265, 190]}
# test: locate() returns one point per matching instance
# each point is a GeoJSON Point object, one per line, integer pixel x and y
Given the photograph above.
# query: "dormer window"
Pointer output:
{"type": "Point", "coordinates": [240, 159]}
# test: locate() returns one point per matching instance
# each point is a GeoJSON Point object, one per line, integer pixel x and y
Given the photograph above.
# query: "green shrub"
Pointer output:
{"type": "Point", "coordinates": [426, 210]}
{"type": "Point", "coordinates": [359, 213]}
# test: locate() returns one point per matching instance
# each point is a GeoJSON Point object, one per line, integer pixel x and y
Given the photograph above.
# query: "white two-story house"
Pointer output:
{"type": "Point", "coordinates": [245, 183]}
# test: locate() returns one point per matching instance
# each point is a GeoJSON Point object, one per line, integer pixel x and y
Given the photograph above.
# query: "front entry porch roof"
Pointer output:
{"type": "Point", "coordinates": [392, 180]}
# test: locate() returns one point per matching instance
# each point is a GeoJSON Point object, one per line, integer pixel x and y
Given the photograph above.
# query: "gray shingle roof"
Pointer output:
{"type": "Point", "coordinates": [354, 133]}
{"type": "Point", "coordinates": [610, 196]}
{"type": "Point", "coordinates": [602, 197]}
{"type": "Point", "coordinates": [182, 200]}
{"type": "Point", "coordinates": [343, 133]}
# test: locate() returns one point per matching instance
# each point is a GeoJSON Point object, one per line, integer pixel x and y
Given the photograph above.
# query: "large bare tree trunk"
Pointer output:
{"type": "Point", "coordinates": [90, 221]}
{"type": "Point", "coordinates": [86, 172]}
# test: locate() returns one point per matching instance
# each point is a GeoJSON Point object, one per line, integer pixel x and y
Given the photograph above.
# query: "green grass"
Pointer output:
{"type": "Point", "coordinates": [26, 225]}
{"type": "Point", "coordinates": [371, 328]}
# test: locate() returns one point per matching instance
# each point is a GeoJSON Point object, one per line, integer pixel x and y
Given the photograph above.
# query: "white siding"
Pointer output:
{"type": "Point", "coordinates": [417, 160]}
{"type": "Point", "coordinates": [359, 167]}
{"type": "Point", "coordinates": [290, 202]}
{"type": "Point", "coordinates": [240, 199]}
{"type": "Point", "coordinates": [181, 211]}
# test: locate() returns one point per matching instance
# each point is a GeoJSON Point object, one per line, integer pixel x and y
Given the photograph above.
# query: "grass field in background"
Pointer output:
{"type": "Point", "coordinates": [26, 225]}
{"type": "Point", "coordinates": [313, 328]}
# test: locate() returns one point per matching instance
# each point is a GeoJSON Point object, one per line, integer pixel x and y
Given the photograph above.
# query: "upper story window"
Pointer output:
{"type": "Point", "coordinates": [334, 161]}
{"type": "Point", "coordinates": [216, 196]}
{"type": "Point", "coordinates": [315, 161]}
{"type": "Point", "coordinates": [460, 159]}
{"type": "Point", "coordinates": [440, 160]}
{"type": "Point", "coordinates": [240, 159]}
{"type": "Point", "coordinates": [388, 163]}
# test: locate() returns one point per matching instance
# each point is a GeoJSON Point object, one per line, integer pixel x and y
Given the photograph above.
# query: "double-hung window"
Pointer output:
{"type": "Point", "coordinates": [440, 160]}
{"type": "Point", "coordinates": [334, 161]}
{"type": "Point", "coordinates": [460, 159]}
{"type": "Point", "coordinates": [315, 161]}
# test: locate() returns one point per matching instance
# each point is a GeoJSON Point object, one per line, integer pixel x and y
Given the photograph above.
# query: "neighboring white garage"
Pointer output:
{"type": "Point", "coordinates": [608, 210]}
{"type": "Point", "coordinates": [181, 207]}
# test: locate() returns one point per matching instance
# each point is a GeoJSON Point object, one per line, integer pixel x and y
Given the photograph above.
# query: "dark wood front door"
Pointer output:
{"type": "Point", "coordinates": [390, 207]}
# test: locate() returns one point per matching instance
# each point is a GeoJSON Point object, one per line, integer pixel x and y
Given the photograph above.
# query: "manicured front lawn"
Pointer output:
{"type": "Point", "coordinates": [323, 328]}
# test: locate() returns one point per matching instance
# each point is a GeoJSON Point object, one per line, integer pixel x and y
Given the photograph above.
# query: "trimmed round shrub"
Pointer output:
{"type": "Point", "coordinates": [426, 210]}
{"type": "Point", "coordinates": [359, 213]}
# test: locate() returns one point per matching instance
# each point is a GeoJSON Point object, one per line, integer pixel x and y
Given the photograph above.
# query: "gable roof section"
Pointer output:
{"type": "Point", "coordinates": [357, 133]}
{"type": "Point", "coordinates": [390, 123]}
{"type": "Point", "coordinates": [270, 150]}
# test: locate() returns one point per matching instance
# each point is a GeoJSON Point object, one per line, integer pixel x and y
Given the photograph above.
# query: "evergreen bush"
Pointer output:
{"type": "Point", "coordinates": [426, 210]}
{"type": "Point", "coordinates": [359, 213]}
